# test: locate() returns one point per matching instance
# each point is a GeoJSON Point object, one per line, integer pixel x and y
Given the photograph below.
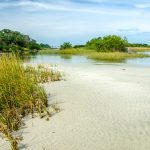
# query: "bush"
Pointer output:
{"type": "Point", "coordinates": [110, 43]}
{"type": "Point", "coordinates": [79, 46]}
{"type": "Point", "coordinates": [66, 45]}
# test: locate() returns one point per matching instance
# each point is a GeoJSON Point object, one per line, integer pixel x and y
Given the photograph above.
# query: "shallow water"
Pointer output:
{"type": "Point", "coordinates": [60, 59]}
{"type": "Point", "coordinates": [139, 61]}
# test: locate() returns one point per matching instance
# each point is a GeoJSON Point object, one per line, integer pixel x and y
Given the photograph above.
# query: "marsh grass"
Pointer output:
{"type": "Point", "coordinates": [115, 56]}
{"type": "Point", "coordinates": [75, 51]}
{"type": "Point", "coordinates": [48, 51]}
{"type": "Point", "coordinates": [140, 49]}
{"type": "Point", "coordinates": [21, 94]}
{"type": "Point", "coordinates": [69, 51]}
{"type": "Point", "coordinates": [104, 56]}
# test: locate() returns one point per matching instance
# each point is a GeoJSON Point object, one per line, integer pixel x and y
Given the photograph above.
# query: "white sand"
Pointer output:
{"type": "Point", "coordinates": [103, 108]}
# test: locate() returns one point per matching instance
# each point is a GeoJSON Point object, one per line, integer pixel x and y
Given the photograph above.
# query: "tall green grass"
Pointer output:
{"type": "Point", "coordinates": [21, 94]}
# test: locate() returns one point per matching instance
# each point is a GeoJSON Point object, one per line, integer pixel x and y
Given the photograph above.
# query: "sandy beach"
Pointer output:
{"type": "Point", "coordinates": [103, 107]}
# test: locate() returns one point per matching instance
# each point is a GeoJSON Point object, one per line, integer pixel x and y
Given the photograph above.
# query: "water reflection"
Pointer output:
{"type": "Point", "coordinates": [140, 61]}
{"type": "Point", "coordinates": [59, 59]}
{"type": "Point", "coordinates": [66, 56]}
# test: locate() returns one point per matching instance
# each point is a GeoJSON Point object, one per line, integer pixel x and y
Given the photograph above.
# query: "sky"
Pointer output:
{"type": "Point", "coordinates": [77, 21]}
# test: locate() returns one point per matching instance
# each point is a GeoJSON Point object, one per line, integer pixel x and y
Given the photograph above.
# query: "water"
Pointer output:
{"type": "Point", "coordinates": [61, 59]}
{"type": "Point", "coordinates": [58, 59]}
{"type": "Point", "coordinates": [140, 61]}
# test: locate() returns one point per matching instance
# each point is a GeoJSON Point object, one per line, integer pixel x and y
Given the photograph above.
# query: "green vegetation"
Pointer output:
{"type": "Point", "coordinates": [65, 45]}
{"type": "Point", "coordinates": [48, 51]}
{"type": "Point", "coordinates": [110, 43]}
{"type": "Point", "coordinates": [43, 74]}
{"type": "Point", "coordinates": [13, 41]}
{"type": "Point", "coordinates": [93, 54]}
{"type": "Point", "coordinates": [115, 56]}
{"type": "Point", "coordinates": [43, 46]}
{"type": "Point", "coordinates": [109, 47]}
{"type": "Point", "coordinates": [76, 51]}
{"type": "Point", "coordinates": [138, 45]}
{"type": "Point", "coordinates": [21, 94]}
{"type": "Point", "coordinates": [139, 49]}
{"type": "Point", "coordinates": [79, 46]}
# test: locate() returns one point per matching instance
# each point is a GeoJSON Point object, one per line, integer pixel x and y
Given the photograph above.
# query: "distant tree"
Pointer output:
{"type": "Point", "coordinates": [138, 45]}
{"type": "Point", "coordinates": [79, 46]}
{"type": "Point", "coordinates": [66, 45]}
{"type": "Point", "coordinates": [45, 45]}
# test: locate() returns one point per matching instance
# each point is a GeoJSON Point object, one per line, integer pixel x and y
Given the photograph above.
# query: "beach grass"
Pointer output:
{"type": "Point", "coordinates": [21, 94]}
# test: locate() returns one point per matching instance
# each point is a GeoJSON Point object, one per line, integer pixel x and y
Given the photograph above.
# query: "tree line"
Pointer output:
{"type": "Point", "coordinates": [109, 43]}
{"type": "Point", "coordinates": [12, 41]}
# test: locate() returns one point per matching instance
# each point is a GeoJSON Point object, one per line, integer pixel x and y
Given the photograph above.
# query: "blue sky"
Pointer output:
{"type": "Point", "coordinates": [56, 21]}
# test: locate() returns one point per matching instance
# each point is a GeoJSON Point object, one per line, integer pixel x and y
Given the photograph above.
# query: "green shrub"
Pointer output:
{"type": "Point", "coordinates": [110, 43]}
{"type": "Point", "coordinates": [65, 45]}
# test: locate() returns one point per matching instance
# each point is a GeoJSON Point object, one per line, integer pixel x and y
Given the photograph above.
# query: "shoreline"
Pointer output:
{"type": "Point", "coordinates": [103, 107]}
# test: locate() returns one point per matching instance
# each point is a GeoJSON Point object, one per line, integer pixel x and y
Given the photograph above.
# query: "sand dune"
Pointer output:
{"type": "Point", "coordinates": [104, 107]}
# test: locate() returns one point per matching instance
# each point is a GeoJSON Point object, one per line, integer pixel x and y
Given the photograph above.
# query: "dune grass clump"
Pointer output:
{"type": "Point", "coordinates": [21, 94]}
{"type": "Point", "coordinates": [42, 74]}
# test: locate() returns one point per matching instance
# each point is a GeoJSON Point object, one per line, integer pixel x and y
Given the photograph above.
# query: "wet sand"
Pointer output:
{"type": "Point", "coordinates": [104, 107]}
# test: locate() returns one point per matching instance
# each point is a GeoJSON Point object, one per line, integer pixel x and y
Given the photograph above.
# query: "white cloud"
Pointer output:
{"type": "Point", "coordinates": [142, 6]}
{"type": "Point", "coordinates": [66, 6]}
{"type": "Point", "coordinates": [59, 20]}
